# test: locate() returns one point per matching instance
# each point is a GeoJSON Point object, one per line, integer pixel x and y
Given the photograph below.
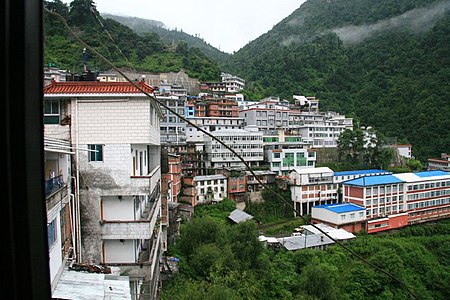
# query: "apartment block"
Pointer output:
{"type": "Point", "coordinates": [247, 143]}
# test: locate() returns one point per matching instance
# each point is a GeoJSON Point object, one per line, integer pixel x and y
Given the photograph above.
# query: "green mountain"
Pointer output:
{"type": "Point", "coordinates": [118, 43]}
{"type": "Point", "coordinates": [143, 26]}
{"type": "Point", "coordinates": [387, 62]}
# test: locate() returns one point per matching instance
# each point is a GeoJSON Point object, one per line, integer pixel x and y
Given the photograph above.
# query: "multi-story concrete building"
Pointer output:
{"type": "Point", "coordinates": [118, 177]}
{"type": "Point", "coordinates": [210, 188]}
{"type": "Point", "coordinates": [210, 124]}
{"type": "Point", "coordinates": [247, 143]}
{"type": "Point", "coordinates": [269, 114]}
{"type": "Point", "coordinates": [442, 163]}
{"type": "Point", "coordinates": [284, 151]}
{"type": "Point", "coordinates": [311, 187]}
{"type": "Point", "coordinates": [233, 83]}
{"type": "Point", "coordinates": [319, 129]}
{"type": "Point", "coordinates": [394, 201]}
{"type": "Point", "coordinates": [173, 129]}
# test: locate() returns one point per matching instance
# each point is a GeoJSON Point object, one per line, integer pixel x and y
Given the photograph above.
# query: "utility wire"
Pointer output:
{"type": "Point", "coordinates": [289, 203]}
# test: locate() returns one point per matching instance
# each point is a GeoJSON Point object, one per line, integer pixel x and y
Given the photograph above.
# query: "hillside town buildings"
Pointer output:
{"type": "Point", "coordinates": [110, 203]}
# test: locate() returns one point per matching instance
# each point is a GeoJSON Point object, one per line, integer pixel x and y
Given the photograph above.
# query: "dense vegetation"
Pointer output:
{"type": "Point", "coordinates": [116, 42]}
{"type": "Point", "coordinates": [224, 261]}
{"type": "Point", "coordinates": [392, 74]}
{"type": "Point", "coordinates": [170, 36]}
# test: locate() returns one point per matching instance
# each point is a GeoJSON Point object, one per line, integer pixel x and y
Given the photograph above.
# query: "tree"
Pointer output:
{"type": "Point", "coordinates": [83, 12]}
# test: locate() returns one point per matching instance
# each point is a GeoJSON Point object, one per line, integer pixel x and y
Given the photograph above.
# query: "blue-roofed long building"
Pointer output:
{"type": "Point", "coordinates": [394, 201]}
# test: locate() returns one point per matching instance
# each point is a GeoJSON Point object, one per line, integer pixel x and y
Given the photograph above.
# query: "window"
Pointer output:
{"type": "Point", "coordinates": [96, 153]}
{"type": "Point", "coordinates": [51, 112]}
{"type": "Point", "coordinates": [342, 217]}
{"type": "Point", "coordinates": [352, 216]}
{"type": "Point", "coordinates": [52, 235]}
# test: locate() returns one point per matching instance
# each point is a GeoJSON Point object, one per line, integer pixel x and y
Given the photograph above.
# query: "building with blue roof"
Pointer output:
{"type": "Point", "coordinates": [394, 201]}
{"type": "Point", "coordinates": [374, 180]}
{"type": "Point", "coordinates": [339, 177]}
{"type": "Point", "coordinates": [348, 216]}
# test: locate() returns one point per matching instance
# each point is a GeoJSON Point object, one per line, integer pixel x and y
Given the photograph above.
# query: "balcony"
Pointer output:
{"type": "Point", "coordinates": [56, 191]}
{"type": "Point", "coordinates": [53, 184]}
{"type": "Point", "coordinates": [135, 229]}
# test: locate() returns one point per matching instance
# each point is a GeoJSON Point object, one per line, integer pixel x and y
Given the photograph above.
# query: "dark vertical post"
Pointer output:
{"type": "Point", "coordinates": [25, 266]}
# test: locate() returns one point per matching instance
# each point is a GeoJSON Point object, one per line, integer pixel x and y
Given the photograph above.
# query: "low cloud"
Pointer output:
{"type": "Point", "coordinates": [416, 20]}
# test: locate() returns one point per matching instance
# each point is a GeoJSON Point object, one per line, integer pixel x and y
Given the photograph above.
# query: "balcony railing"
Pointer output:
{"type": "Point", "coordinates": [53, 184]}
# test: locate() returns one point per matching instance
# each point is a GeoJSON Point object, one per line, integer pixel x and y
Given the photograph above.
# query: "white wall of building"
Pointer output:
{"type": "Point", "coordinates": [131, 121]}
{"type": "Point", "coordinates": [55, 250]}
{"type": "Point", "coordinates": [120, 251]}
{"type": "Point", "coordinates": [216, 184]}
{"type": "Point", "coordinates": [115, 209]}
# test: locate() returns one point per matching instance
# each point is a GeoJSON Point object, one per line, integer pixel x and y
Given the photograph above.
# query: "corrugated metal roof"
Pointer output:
{"type": "Point", "coordinates": [239, 216]}
{"type": "Point", "coordinates": [374, 180]}
{"type": "Point", "coordinates": [341, 207]}
{"type": "Point", "coordinates": [337, 234]}
{"type": "Point", "coordinates": [88, 286]}
{"type": "Point", "coordinates": [361, 172]}
{"type": "Point", "coordinates": [305, 241]}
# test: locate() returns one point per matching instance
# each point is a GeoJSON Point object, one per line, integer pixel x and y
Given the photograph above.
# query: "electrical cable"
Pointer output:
{"type": "Point", "coordinates": [289, 203]}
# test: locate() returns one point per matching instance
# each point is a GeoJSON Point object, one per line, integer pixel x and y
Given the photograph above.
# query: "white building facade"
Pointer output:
{"type": "Point", "coordinates": [118, 176]}
{"type": "Point", "coordinates": [248, 143]}
{"type": "Point", "coordinates": [210, 188]}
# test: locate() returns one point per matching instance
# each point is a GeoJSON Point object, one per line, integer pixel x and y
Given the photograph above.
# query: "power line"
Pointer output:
{"type": "Point", "coordinates": [232, 151]}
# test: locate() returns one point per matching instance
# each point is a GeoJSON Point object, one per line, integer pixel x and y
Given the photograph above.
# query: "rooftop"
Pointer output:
{"type": "Point", "coordinates": [95, 87]}
{"type": "Point", "coordinates": [83, 285]}
{"type": "Point", "coordinates": [374, 180]}
{"type": "Point", "coordinates": [209, 177]}
{"type": "Point", "coordinates": [305, 241]}
{"type": "Point", "coordinates": [360, 172]}
{"type": "Point", "coordinates": [313, 170]}
{"type": "Point", "coordinates": [341, 207]}
{"type": "Point", "coordinates": [239, 216]}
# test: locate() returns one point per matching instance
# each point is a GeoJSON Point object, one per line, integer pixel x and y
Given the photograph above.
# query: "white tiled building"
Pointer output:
{"type": "Point", "coordinates": [210, 188]}
{"type": "Point", "coordinates": [210, 124]}
{"type": "Point", "coordinates": [247, 143]}
{"type": "Point", "coordinates": [118, 177]}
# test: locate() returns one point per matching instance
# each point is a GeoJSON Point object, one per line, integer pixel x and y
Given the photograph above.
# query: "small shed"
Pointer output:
{"type": "Point", "coordinates": [239, 216]}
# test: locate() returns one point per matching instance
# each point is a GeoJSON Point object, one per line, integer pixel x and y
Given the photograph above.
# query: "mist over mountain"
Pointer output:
{"type": "Point", "coordinates": [387, 63]}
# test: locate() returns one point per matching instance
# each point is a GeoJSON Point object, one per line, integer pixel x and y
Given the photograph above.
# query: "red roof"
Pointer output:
{"type": "Point", "coordinates": [96, 87]}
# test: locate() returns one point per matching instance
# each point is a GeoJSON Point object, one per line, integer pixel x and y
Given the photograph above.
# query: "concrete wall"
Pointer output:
{"type": "Point", "coordinates": [117, 251]}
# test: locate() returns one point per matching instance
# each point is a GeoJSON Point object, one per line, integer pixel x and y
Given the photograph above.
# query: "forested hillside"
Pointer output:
{"type": "Point", "coordinates": [223, 261]}
{"type": "Point", "coordinates": [386, 61]}
{"type": "Point", "coordinates": [144, 26]}
{"type": "Point", "coordinates": [116, 42]}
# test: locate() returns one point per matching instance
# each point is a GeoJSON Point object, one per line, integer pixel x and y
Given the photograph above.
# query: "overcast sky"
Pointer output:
{"type": "Point", "coordinates": [227, 25]}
